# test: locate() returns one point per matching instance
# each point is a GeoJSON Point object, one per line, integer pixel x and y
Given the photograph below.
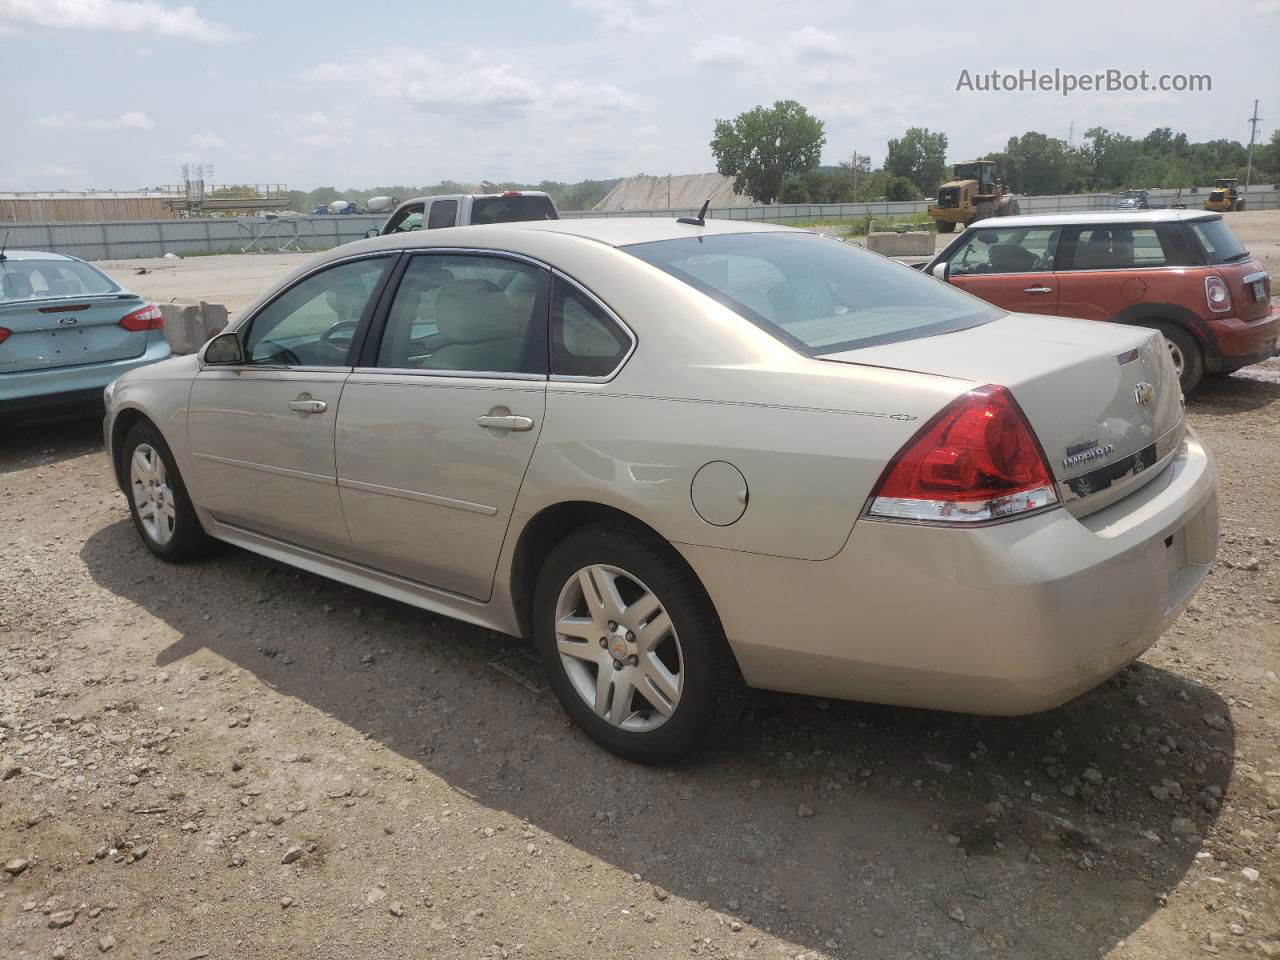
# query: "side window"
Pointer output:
{"type": "Point", "coordinates": [1120, 248]}
{"type": "Point", "coordinates": [585, 341]}
{"type": "Point", "coordinates": [467, 314]}
{"type": "Point", "coordinates": [1007, 250]}
{"type": "Point", "coordinates": [313, 322]}
{"type": "Point", "coordinates": [408, 217]}
{"type": "Point", "coordinates": [443, 213]}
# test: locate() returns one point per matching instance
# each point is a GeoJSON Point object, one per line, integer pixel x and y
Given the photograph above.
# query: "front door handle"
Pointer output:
{"type": "Point", "coordinates": [1038, 290]}
{"type": "Point", "coordinates": [305, 404]}
{"type": "Point", "coordinates": [509, 422]}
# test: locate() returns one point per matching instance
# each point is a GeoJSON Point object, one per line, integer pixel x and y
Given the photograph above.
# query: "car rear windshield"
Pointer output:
{"type": "Point", "coordinates": [511, 209]}
{"type": "Point", "coordinates": [816, 294]}
{"type": "Point", "coordinates": [1219, 243]}
{"type": "Point", "coordinates": [48, 279]}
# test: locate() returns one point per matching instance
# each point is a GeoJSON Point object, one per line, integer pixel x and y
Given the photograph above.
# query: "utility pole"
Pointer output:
{"type": "Point", "coordinates": [1253, 135]}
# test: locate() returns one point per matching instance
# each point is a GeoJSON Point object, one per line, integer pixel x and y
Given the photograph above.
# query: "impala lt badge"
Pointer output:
{"type": "Point", "coordinates": [1086, 452]}
{"type": "Point", "coordinates": [1144, 393]}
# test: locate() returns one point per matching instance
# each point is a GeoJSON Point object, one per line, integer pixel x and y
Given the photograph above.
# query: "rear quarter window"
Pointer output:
{"type": "Point", "coordinates": [1220, 245]}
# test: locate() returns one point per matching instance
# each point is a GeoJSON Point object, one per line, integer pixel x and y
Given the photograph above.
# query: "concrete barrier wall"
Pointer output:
{"type": "Point", "coordinates": [126, 239]}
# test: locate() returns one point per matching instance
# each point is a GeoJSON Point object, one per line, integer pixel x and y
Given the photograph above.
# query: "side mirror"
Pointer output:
{"type": "Point", "coordinates": [225, 348]}
{"type": "Point", "coordinates": [372, 232]}
{"type": "Point", "coordinates": [942, 270]}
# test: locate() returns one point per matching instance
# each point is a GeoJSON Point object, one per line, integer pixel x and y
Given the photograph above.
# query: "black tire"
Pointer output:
{"type": "Point", "coordinates": [188, 541]}
{"type": "Point", "coordinates": [1187, 353]}
{"type": "Point", "coordinates": [713, 692]}
{"type": "Point", "coordinates": [946, 226]}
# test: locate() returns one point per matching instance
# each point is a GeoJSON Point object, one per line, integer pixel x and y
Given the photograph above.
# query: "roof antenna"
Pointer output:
{"type": "Point", "coordinates": [4, 243]}
{"type": "Point", "coordinates": [700, 220]}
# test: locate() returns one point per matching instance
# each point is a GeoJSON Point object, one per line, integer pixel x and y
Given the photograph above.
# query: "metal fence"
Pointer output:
{"type": "Point", "coordinates": [127, 239]}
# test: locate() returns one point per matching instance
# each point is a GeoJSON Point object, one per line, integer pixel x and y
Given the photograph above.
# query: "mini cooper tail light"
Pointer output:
{"type": "Point", "coordinates": [144, 318]}
{"type": "Point", "coordinates": [1217, 294]}
{"type": "Point", "coordinates": [975, 462]}
{"type": "Point", "coordinates": [4, 334]}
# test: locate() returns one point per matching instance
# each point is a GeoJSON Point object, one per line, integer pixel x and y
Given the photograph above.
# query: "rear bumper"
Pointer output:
{"type": "Point", "coordinates": [44, 391]}
{"type": "Point", "coordinates": [1237, 343]}
{"type": "Point", "coordinates": [1013, 618]}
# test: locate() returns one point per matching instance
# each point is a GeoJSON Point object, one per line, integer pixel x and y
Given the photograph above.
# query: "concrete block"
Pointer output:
{"type": "Point", "coordinates": [188, 326]}
{"type": "Point", "coordinates": [916, 243]}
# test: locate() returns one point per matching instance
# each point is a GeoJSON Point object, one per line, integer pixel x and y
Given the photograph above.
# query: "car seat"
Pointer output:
{"type": "Point", "coordinates": [16, 286]}
{"type": "Point", "coordinates": [1010, 258]}
{"type": "Point", "coordinates": [481, 327]}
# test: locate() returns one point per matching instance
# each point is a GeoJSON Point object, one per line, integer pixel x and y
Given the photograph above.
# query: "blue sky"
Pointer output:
{"type": "Point", "coordinates": [120, 93]}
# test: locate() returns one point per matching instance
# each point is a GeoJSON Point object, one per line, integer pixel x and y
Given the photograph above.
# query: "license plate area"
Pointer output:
{"type": "Point", "coordinates": [1259, 288]}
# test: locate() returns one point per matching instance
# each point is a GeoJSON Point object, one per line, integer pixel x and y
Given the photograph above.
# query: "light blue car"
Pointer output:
{"type": "Point", "coordinates": [66, 331]}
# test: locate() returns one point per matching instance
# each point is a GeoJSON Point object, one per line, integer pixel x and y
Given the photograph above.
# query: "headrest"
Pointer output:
{"type": "Point", "coordinates": [476, 311]}
{"type": "Point", "coordinates": [1010, 257]}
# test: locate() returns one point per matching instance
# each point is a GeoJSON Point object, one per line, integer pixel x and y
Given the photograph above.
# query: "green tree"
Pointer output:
{"type": "Point", "coordinates": [920, 156]}
{"type": "Point", "coordinates": [900, 188]}
{"type": "Point", "coordinates": [761, 148]}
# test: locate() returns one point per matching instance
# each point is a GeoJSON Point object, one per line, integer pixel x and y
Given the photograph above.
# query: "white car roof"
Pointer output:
{"type": "Point", "coordinates": [34, 255]}
{"type": "Point", "coordinates": [1096, 216]}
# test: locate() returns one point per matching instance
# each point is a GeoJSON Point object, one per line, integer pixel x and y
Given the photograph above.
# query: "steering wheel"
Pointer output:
{"type": "Point", "coordinates": [342, 326]}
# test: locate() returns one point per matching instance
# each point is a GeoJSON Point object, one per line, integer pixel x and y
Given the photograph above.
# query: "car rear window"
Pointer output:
{"type": "Point", "coordinates": [511, 209]}
{"type": "Point", "coordinates": [49, 279]}
{"type": "Point", "coordinates": [1220, 244]}
{"type": "Point", "coordinates": [816, 294]}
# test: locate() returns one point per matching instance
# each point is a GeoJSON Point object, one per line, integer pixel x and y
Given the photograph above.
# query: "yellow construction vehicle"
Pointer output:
{"type": "Point", "coordinates": [972, 193]}
{"type": "Point", "coordinates": [1224, 196]}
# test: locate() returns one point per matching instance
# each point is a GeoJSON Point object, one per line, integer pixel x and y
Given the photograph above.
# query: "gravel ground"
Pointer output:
{"type": "Point", "coordinates": [234, 759]}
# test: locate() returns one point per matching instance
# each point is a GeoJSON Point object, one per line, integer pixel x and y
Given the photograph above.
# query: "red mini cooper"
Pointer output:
{"type": "Point", "coordinates": [1182, 272]}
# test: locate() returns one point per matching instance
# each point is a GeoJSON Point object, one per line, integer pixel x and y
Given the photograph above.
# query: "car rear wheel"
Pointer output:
{"type": "Point", "coordinates": [1188, 360]}
{"type": "Point", "coordinates": [158, 500]}
{"type": "Point", "coordinates": [632, 646]}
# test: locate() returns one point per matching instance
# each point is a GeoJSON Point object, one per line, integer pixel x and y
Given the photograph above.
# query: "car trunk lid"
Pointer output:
{"type": "Point", "coordinates": [1102, 399]}
{"type": "Point", "coordinates": [64, 332]}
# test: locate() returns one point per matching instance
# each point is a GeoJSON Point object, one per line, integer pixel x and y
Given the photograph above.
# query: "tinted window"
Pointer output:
{"type": "Point", "coordinates": [816, 294]}
{"type": "Point", "coordinates": [1220, 244]}
{"type": "Point", "coordinates": [408, 217]}
{"type": "Point", "coordinates": [464, 313]}
{"type": "Point", "coordinates": [511, 209]}
{"type": "Point", "coordinates": [45, 279]}
{"type": "Point", "coordinates": [443, 213]}
{"type": "Point", "coordinates": [1123, 247]}
{"type": "Point", "coordinates": [585, 341]}
{"type": "Point", "coordinates": [313, 322]}
{"type": "Point", "coordinates": [1006, 250]}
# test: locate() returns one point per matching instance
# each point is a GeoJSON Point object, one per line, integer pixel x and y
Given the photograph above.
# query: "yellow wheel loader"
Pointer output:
{"type": "Point", "coordinates": [1225, 196]}
{"type": "Point", "coordinates": [972, 193]}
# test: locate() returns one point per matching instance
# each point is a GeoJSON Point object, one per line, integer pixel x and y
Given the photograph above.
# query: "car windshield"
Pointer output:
{"type": "Point", "coordinates": [816, 294]}
{"type": "Point", "coordinates": [1218, 241]}
{"type": "Point", "coordinates": [505, 209]}
{"type": "Point", "coordinates": [48, 279]}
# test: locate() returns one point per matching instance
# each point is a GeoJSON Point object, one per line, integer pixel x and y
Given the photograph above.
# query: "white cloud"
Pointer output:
{"type": "Point", "coordinates": [1266, 6]}
{"type": "Point", "coordinates": [318, 129]}
{"type": "Point", "coordinates": [133, 120]}
{"type": "Point", "coordinates": [208, 141]}
{"type": "Point", "coordinates": [723, 51]}
{"type": "Point", "coordinates": [627, 16]}
{"type": "Point", "coordinates": [812, 42]}
{"type": "Point", "coordinates": [114, 16]}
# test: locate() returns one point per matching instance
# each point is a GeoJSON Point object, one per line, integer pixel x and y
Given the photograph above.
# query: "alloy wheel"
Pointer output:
{"type": "Point", "coordinates": [152, 495]}
{"type": "Point", "coordinates": [619, 648]}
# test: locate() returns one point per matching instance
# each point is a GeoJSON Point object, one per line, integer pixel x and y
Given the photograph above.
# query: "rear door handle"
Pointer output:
{"type": "Point", "coordinates": [1038, 290]}
{"type": "Point", "coordinates": [509, 422]}
{"type": "Point", "coordinates": [305, 404]}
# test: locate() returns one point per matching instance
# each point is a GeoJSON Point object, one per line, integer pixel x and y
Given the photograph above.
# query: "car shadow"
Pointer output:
{"type": "Point", "coordinates": [44, 443]}
{"type": "Point", "coordinates": [846, 828]}
{"type": "Point", "coordinates": [1227, 396]}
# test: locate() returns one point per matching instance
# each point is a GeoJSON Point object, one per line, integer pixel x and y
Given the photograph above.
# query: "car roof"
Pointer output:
{"type": "Point", "coordinates": [34, 255]}
{"type": "Point", "coordinates": [622, 231]}
{"type": "Point", "coordinates": [459, 196]}
{"type": "Point", "coordinates": [1099, 216]}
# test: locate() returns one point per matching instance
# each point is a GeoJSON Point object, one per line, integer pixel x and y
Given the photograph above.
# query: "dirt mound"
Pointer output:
{"type": "Point", "coordinates": [665, 193]}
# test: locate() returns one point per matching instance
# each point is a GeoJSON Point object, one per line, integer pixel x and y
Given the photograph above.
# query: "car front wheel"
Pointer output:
{"type": "Point", "coordinates": [632, 646]}
{"type": "Point", "coordinates": [158, 500]}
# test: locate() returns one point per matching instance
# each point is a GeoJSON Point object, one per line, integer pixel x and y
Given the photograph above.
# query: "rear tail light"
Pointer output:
{"type": "Point", "coordinates": [975, 462]}
{"type": "Point", "coordinates": [1217, 294]}
{"type": "Point", "coordinates": [4, 334]}
{"type": "Point", "coordinates": [144, 318]}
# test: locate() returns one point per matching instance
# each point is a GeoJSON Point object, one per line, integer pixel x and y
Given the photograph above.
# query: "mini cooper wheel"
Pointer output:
{"type": "Point", "coordinates": [158, 501]}
{"type": "Point", "coordinates": [1188, 360]}
{"type": "Point", "coordinates": [632, 646]}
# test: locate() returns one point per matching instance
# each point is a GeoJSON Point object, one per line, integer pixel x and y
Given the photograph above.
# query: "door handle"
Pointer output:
{"type": "Point", "coordinates": [1038, 290]}
{"type": "Point", "coordinates": [509, 422]}
{"type": "Point", "coordinates": [305, 404]}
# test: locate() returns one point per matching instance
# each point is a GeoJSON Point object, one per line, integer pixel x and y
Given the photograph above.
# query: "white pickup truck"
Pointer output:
{"type": "Point", "coordinates": [461, 209]}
